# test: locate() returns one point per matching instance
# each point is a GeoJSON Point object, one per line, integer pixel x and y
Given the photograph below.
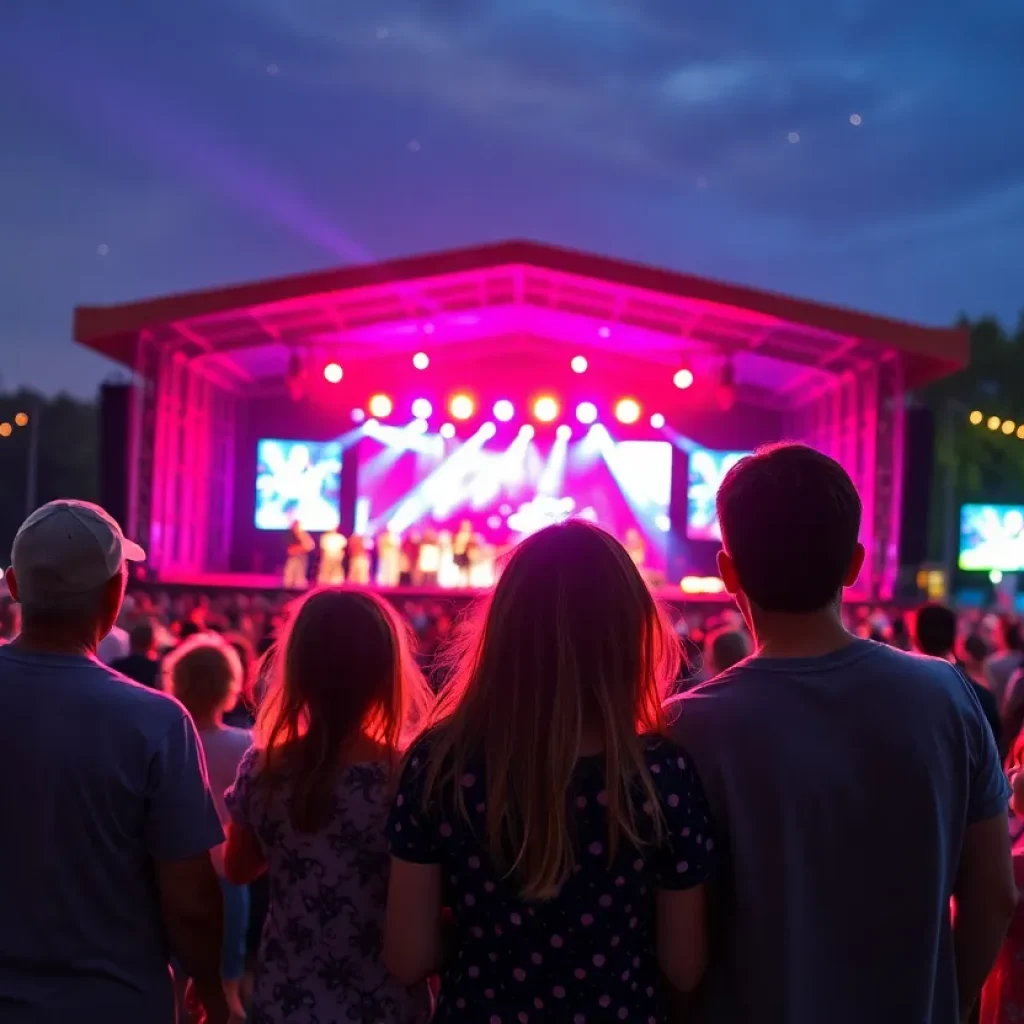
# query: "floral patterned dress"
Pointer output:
{"type": "Point", "coordinates": [320, 953]}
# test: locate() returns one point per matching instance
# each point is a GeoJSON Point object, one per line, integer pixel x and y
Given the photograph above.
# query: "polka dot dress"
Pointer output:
{"type": "Point", "coordinates": [587, 955]}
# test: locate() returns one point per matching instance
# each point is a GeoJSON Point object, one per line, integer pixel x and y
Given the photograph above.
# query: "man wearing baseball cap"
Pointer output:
{"type": "Point", "coordinates": [107, 816]}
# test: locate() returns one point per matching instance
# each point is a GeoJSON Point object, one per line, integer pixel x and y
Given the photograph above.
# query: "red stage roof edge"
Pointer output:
{"type": "Point", "coordinates": [112, 330]}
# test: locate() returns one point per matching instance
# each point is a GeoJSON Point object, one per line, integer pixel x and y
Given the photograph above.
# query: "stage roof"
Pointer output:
{"type": "Point", "coordinates": [510, 293]}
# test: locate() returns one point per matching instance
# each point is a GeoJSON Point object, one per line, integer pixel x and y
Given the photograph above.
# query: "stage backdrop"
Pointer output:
{"type": "Point", "coordinates": [300, 456]}
{"type": "Point", "coordinates": [510, 484]}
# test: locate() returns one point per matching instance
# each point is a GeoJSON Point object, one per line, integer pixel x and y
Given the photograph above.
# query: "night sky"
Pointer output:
{"type": "Point", "coordinates": [864, 152]}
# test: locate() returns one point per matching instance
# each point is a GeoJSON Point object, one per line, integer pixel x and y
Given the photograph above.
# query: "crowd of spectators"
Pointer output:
{"type": "Point", "coordinates": [560, 804]}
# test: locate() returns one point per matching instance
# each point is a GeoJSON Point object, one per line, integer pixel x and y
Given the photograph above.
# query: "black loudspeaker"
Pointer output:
{"type": "Point", "coordinates": [115, 435]}
{"type": "Point", "coordinates": [918, 467]}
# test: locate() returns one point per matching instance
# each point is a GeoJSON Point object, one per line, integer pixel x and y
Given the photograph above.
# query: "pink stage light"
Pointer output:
{"type": "Point", "coordinates": [333, 373]}
{"type": "Point", "coordinates": [579, 364]}
{"type": "Point", "coordinates": [462, 407]}
{"type": "Point", "coordinates": [627, 410]}
{"type": "Point", "coordinates": [564, 432]}
{"type": "Point", "coordinates": [422, 409]}
{"type": "Point", "coordinates": [381, 406]}
{"type": "Point", "coordinates": [504, 410]}
{"type": "Point", "coordinates": [657, 421]}
{"type": "Point", "coordinates": [358, 415]}
{"type": "Point", "coordinates": [545, 409]}
{"type": "Point", "coordinates": [682, 379]}
{"type": "Point", "coordinates": [447, 431]}
{"type": "Point", "coordinates": [421, 360]}
{"type": "Point", "coordinates": [604, 332]}
{"type": "Point", "coordinates": [586, 412]}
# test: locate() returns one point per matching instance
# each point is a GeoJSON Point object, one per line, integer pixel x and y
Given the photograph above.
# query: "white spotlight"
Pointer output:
{"type": "Point", "coordinates": [447, 431]}
{"type": "Point", "coordinates": [419, 426]}
{"type": "Point", "coordinates": [564, 432]}
{"type": "Point", "coordinates": [526, 431]}
{"type": "Point", "coordinates": [488, 430]}
{"type": "Point", "coordinates": [657, 421]}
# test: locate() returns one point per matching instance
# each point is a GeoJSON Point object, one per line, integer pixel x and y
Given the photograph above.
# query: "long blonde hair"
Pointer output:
{"type": "Point", "coordinates": [570, 641]}
{"type": "Point", "coordinates": [341, 667]}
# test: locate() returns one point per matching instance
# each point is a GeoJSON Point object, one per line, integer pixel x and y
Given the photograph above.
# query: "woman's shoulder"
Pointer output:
{"type": "Point", "coordinates": [658, 749]}
{"type": "Point", "coordinates": [668, 762]}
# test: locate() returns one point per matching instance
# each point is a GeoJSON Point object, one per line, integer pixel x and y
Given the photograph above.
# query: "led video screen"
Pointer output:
{"type": "Point", "coordinates": [507, 487]}
{"type": "Point", "coordinates": [707, 470]}
{"type": "Point", "coordinates": [992, 537]}
{"type": "Point", "coordinates": [297, 481]}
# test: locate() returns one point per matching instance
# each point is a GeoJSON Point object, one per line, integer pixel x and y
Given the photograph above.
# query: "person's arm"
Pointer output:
{"type": "Point", "coordinates": [244, 860]}
{"type": "Point", "coordinates": [985, 898]}
{"type": "Point", "coordinates": [984, 892]}
{"type": "Point", "coordinates": [682, 936]}
{"type": "Point", "coordinates": [414, 930]}
{"type": "Point", "coordinates": [181, 828]}
{"type": "Point", "coordinates": [192, 908]}
{"type": "Point", "coordinates": [685, 864]}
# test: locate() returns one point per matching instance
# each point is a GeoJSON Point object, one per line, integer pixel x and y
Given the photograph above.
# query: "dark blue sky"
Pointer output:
{"type": "Point", "coordinates": [149, 146]}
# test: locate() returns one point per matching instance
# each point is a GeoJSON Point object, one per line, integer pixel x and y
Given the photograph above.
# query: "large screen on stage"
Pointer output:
{"type": "Point", "coordinates": [510, 486]}
{"type": "Point", "coordinates": [297, 480]}
{"type": "Point", "coordinates": [706, 472]}
{"type": "Point", "coordinates": [992, 537]}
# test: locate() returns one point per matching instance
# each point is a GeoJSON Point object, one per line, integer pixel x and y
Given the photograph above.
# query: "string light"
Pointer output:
{"type": "Point", "coordinates": [1010, 428]}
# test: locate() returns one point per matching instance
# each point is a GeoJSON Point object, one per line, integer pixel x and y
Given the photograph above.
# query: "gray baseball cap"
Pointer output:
{"type": "Point", "coordinates": [68, 549]}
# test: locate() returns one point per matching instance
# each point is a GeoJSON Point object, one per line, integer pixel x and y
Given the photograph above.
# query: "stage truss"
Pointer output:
{"type": "Point", "coordinates": [839, 378]}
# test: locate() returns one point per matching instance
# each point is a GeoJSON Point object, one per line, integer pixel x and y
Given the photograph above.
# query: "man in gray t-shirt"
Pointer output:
{"type": "Point", "coordinates": [856, 789]}
{"type": "Point", "coordinates": [108, 820]}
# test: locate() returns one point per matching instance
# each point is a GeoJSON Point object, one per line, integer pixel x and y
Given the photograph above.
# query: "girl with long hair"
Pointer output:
{"type": "Point", "coordinates": [309, 807]}
{"type": "Point", "coordinates": [546, 810]}
{"type": "Point", "coordinates": [205, 673]}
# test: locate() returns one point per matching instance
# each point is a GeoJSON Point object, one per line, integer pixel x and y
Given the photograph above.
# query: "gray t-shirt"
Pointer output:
{"type": "Point", "coordinates": [842, 787]}
{"type": "Point", "coordinates": [103, 778]}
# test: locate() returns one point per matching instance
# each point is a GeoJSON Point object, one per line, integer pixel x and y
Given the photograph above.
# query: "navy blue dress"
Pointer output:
{"type": "Point", "coordinates": [589, 953]}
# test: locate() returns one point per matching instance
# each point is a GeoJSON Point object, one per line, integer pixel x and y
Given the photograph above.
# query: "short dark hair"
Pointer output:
{"type": "Point", "coordinates": [1009, 630]}
{"type": "Point", "coordinates": [142, 635]}
{"type": "Point", "coordinates": [725, 648]}
{"type": "Point", "coordinates": [790, 518]}
{"type": "Point", "coordinates": [976, 647]}
{"type": "Point", "coordinates": [935, 630]}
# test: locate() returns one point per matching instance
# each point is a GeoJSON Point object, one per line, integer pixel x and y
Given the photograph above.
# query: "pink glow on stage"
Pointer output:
{"type": "Point", "coordinates": [504, 410]}
{"type": "Point", "coordinates": [545, 409]}
{"type": "Point", "coordinates": [510, 485]}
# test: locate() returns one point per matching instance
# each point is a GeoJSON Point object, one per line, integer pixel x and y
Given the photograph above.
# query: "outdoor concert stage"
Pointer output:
{"type": "Point", "coordinates": [504, 386]}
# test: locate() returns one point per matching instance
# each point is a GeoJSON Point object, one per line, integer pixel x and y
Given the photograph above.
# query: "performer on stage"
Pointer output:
{"type": "Point", "coordinates": [332, 559]}
{"type": "Point", "coordinates": [410, 560]}
{"type": "Point", "coordinates": [460, 552]}
{"type": "Point", "coordinates": [296, 566]}
{"type": "Point", "coordinates": [447, 573]}
{"type": "Point", "coordinates": [388, 559]}
{"type": "Point", "coordinates": [429, 559]}
{"type": "Point", "coordinates": [481, 562]}
{"type": "Point", "coordinates": [358, 561]}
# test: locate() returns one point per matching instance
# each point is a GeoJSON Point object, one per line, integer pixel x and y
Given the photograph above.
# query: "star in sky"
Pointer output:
{"type": "Point", "coordinates": [863, 152]}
